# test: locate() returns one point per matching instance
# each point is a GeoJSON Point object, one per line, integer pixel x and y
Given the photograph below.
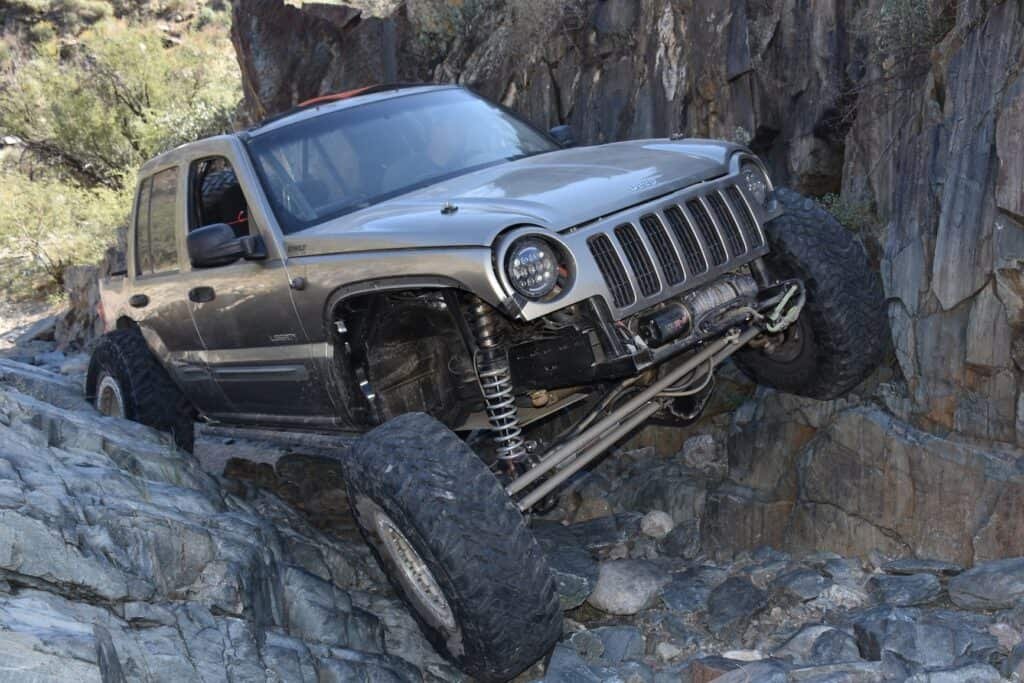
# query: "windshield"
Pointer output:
{"type": "Point", "coordinates": [329, 165]}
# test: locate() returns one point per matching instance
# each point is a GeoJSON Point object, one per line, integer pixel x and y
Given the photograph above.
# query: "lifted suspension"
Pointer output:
{"type": "Point", "coordinates": [492, 370]}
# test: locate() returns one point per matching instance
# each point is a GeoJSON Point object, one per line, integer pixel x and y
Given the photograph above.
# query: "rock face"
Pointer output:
{"type": "Point", "coordinates": [121, 560]}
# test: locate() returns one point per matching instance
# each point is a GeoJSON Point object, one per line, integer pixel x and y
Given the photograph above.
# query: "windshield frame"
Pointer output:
{"type": "Point", "coordinates": [288, 227]}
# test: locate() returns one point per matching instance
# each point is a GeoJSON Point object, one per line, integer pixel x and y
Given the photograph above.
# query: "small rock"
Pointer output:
{"type": "Point", "coordinates": [762, 672]}
{"type": "Point", "coordinates": [619, 551]}
{"type": "Point", "coordinates": [912, 565]}
{"type": "Point", "coordinates": [732, 604]}
{"type": "Point", "coordinates": [844, 596]}
{"type": "Point", "coordinates": [905, 591]}
{"type": "Point", "coordinates": [656, 524]}
{"type": "Point", "coordinates": [566, 666]}
{"type": "Point", "coordinates": [40, 330]}
{"type": "Point", "coordinates": [998, 584]}
{"type": "Point", "coordinates": [1014, 664]}
{"type": "Point", "coordinates": [689, 591]}
{"type": "Point", "coordinates": [587, 645]}
{"type": "Point", "coordinates": [51, 358]}
{"type": "Point", "coordinates": [702, 454]}
{"type": "Point", "coordinates": [1008, 636]}
{"type": "Point", "coordinates": [975, 673]}
{"type": "Point", "coordinates": [744, 655]}
{"type": "Point", "coordinates": [666, 652]}
{"type": "Point", "coordinates": [816, 645]}
{"type": "Point", "coordinates": [620, 643]}
{"type": "Point", "coordinates": [634, 672]}
{"type": "Point", "coordinates": [607, 531]}
{"type": "Point", "coordinates": [683, 541]}
{"type": "Point", "coordinates": [592, 508]}
{"type": "Point", "coordinates": [627, 586]}
{"type": "Point", "coordinates": [799, 585]}
{"type": "Point", "coordinates": [574, 568]}
{"type": "Point", "coordinates": [848, 672]}
{"type": "Point", "coordinates": [76, 365]}
{"type": "Point", "coordinates": [644, 549]}
{"type": "Point", "coordinates": [931, 639]}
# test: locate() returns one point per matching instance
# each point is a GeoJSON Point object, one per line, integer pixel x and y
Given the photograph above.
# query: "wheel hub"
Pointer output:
{"type": "Point", "coordinates": [109, 399]}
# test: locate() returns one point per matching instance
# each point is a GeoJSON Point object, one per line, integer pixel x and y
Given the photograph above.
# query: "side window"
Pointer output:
{"type": "Point", "coordinates": [217, 196]}
{"type": "Point", "coordinates": [156, 249]}
{"type": "Point", "coordinates": [143, 264]}
{"type": "Point", "coordinates": [163, 246]}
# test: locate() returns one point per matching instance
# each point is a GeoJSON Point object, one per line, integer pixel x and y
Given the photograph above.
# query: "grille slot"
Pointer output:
{"type": "Point", "coordinates": [612, 269]}
{"type": "Point", "coordinates": [663, 250]}
{"type": "Point", "coordinates": [707, 231]}
{"type": "Point", "coordinates": [695, 260]}
{"type": "Point", "coordinates": [747, 221]}
{"type": "Point", "coordinates": [639, 259]}
{"type": "Point", "coordinates": [727, 223]}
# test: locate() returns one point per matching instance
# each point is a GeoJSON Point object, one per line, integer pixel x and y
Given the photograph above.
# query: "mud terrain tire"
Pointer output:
{"type": "Point", "coordinates": [503, 606]}
{"type": "Point", "coordinates": [148, 394]}
{"type": "Point", "coordinates": [841, 335]}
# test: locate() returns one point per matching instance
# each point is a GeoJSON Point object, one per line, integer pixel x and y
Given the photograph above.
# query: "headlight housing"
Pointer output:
{"type": "Point", "coordinates": [755, 181]}
{"type": "Point", "coordinates": [532, 267]}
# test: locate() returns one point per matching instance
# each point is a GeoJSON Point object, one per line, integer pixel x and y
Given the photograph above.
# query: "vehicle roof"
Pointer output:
{"type": "Point", "coordinates": [313, 108]}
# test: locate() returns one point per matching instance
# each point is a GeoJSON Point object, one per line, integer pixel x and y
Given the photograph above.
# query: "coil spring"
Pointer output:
{"type": "Point", "coordinates": [491, 364]}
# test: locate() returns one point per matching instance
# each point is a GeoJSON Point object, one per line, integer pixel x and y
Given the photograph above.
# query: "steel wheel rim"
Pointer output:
{"type": "Point", "coordinates": [109, 399]}
{"type": "Point", "coordinates": [414, 575]}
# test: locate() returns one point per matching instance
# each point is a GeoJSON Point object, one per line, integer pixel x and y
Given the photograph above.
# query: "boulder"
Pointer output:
{"type": "Point", "coordinates": [732, 605]}
{"type": "Point", "coordinates": [905, 591]}
{"type": "Point", "coordinates": [627, 586]}
{"type": "Point", "coordinates": [998, 584]}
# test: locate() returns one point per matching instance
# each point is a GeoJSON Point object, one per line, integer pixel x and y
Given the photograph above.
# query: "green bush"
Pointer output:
{"type": "Point", "coordinates": [101, 107]}
{"type": "Point", "coordinates": [89, 113]}
{"type": "Point", "coordinates": [48, 224]}
{"type": "Point", "coordinates": [858, 216]}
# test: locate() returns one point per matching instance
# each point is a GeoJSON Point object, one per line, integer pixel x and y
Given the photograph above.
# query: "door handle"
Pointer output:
{"type": "Point", "coordinates": [138, 300]}
{"type": "Point", "coordinates": [201, 295]}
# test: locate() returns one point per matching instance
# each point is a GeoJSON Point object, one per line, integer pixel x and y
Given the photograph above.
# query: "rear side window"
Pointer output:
{"type": "Point", "coordinates": [156, 247]}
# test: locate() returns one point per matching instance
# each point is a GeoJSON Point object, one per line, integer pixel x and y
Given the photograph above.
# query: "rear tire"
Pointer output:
{"type": "Point", "coordinates": [455, 546]}
{"type": "Point", "coordinates": [840, 336]}
{"type": "Point", "coordinates": [125, 380]}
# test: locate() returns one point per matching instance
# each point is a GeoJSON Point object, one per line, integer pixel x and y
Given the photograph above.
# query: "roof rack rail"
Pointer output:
{"type": "Point", "coordinates": [337, 97]}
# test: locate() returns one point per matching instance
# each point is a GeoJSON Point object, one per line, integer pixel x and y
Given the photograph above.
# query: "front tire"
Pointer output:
{"type": "Point", "coordinates": [455, 546]}
{"type": "Point", "coordinates": [840, 336]}
{"type": "Point", "coordinates": [125, 380]}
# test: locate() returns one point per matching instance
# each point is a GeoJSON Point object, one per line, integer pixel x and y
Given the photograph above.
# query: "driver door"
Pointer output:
{"type": "Point", "coordinates": [255, 346]}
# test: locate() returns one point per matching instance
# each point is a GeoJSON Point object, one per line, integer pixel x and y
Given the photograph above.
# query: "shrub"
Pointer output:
{"type": "Point", "coordinates": [49, 224]}
{"type": "Point", "coordinates": [858, 216]}
{"type": "Point", "coordinates": [101, 107]}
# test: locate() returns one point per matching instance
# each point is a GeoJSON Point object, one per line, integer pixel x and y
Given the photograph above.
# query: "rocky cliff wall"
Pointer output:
{"type": "Point", "coordinates": [914, 110]}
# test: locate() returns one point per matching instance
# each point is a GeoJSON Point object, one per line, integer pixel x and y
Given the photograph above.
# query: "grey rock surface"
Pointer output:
{"type": "Point", "coordinates": [120, 559]}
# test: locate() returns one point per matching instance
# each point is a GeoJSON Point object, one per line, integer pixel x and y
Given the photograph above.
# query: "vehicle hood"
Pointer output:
{"type": "Point", "coordinates": [556, 190]}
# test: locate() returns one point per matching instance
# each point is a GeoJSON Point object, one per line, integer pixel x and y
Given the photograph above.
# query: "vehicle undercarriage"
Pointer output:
{"type": "Point", "coordinates": [509, 386]}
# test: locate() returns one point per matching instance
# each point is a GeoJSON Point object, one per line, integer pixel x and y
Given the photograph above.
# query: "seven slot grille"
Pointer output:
{"type": "Point", "coordinates": [714, 229]}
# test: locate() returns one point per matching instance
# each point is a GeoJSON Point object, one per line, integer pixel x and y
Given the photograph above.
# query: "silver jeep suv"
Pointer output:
{"type": "Point", "coordinates": [491, 305]}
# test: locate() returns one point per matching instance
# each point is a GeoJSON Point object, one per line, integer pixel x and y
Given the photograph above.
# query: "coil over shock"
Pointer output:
{"type": "Point", "coordinates": [495, 377]}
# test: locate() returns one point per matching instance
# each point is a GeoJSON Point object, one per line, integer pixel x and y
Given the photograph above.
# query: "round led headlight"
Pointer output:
{"type": "Point", "coordinates": [755, 181]}
{"type": "Point", "coordinates": [532, 267]}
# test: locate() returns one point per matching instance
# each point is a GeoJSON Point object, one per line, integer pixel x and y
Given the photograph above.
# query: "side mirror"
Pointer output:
{"type": "Point", "coordinates": [216, 245]}
{"type": "Point", "coordinates": [563, 136]}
